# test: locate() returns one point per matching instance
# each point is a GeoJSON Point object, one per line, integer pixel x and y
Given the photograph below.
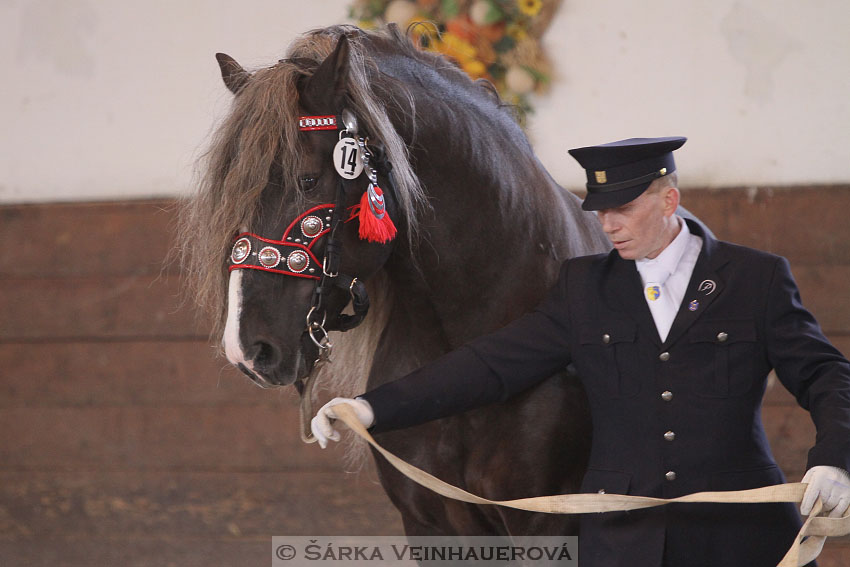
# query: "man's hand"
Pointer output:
{"type": "Point", "coordinates": [322, 427]}
{"type": "Point", "coordinates": [832, 485]}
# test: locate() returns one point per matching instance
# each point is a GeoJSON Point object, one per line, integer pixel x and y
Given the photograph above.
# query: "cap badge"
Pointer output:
{"type": "Point", "coordinates": [601, 177]}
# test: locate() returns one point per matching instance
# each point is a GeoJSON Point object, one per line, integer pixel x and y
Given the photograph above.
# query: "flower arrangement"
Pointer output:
{"type": "Point", "coordinates": [497, 40]}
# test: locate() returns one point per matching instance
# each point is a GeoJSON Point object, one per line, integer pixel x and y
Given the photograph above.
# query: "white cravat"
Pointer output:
{"type": "Point", "coordinates": [658, 297]}
{"type": "Point", "coordinates": [665, 277]}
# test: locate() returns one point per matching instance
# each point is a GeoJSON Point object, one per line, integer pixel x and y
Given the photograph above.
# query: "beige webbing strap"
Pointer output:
{"type": "Point", "coordinates": [800, 553]}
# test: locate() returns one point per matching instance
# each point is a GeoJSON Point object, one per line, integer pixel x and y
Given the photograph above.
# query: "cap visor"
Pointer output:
{"type": "Point", "coordinates": [613, 199]}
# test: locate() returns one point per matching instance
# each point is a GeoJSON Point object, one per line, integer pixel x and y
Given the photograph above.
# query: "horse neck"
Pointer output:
{"type": "Point", "coordinates": [497, 232]}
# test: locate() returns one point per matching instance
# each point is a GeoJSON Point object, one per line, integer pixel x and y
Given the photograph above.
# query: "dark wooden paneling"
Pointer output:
{"type": "Point", "coordinates": [107, 307]}
{"type": "Point", "coordinates": [144, 373]}
{"type": "Point", "coordinates": [825, 293]}
{"type": "Point", "coordinates": [102, 239]}
{"type": "Point", "coordinates": [805, 224]}
{"type": "Point", "coordinates": [227, 438]}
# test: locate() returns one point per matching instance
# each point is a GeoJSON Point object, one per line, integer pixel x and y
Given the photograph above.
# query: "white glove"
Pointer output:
{"type": "Point", "coordinates": [321, 424]}
{"type": "Point", "coordinates": [832, 485]}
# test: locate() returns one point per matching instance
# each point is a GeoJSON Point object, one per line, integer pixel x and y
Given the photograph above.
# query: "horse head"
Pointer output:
{"type": "Point", "coordinates": [301, 256]}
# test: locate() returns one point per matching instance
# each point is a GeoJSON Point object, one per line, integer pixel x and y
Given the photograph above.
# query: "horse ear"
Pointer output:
{"type": "Point", "coordinates": [325, 90]}
{"type": "Point", "coordinates": [235, 77]}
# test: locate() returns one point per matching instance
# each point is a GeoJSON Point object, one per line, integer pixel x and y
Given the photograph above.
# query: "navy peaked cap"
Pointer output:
{"type": "Point", "coordinates": [621, 171]}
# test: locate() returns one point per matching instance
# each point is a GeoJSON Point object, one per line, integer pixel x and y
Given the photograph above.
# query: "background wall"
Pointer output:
{"type": "Point", "coordinates": [104, 100]}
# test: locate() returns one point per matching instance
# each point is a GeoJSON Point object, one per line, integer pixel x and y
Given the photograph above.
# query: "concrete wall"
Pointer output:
{"type": "Point", "coordinates": [103, 99]}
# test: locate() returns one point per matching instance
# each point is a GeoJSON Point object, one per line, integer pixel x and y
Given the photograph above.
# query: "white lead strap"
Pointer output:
{"type": "Point", "coordinates": [816, 528]}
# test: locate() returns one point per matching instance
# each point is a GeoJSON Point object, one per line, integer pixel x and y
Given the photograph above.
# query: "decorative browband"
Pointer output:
{"type": "Point", "coordinates": [291, 255]}
{"type": "Point", "coordinates": [309, 123]}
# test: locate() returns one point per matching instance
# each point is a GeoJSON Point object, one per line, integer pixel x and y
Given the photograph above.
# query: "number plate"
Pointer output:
{"type": "Point", "coordinates": [347, 158]}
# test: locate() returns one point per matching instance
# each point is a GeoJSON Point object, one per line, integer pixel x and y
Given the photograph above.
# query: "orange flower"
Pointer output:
{"type": "Point", "coordinates": [492, 33]}
{"type": "Point", "coordinates": [455, 47]}
{"type": "Point", "coordinates": [463, 52]}
{"type": "Point", "coordinates": [462, 27]}
{"type": "Point", "coordinates": [474, 68]}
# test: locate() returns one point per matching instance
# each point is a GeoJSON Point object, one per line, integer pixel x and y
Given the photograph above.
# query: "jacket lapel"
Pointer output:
{"type": "Point", "coordinates": [704, 287]}
{"type": "Point", "coordinates": [625, 290]}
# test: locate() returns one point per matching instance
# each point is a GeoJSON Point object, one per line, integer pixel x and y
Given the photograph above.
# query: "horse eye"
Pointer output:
{"type": "Point", "coordinates": [308, 182]}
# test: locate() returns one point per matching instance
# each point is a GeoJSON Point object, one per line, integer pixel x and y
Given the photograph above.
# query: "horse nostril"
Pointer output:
{"type": "Point", "coordinates": [266, 355]}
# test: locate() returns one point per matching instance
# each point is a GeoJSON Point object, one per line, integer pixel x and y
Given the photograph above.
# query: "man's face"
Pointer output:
{"type": "Point", "coordinates": [640, 228]}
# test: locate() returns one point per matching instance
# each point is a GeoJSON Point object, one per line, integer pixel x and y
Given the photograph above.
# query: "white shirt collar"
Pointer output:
{"type": "Point", "coordinates": [667, 261]}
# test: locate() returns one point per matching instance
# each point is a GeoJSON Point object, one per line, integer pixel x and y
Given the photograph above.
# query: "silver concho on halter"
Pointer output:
{"type": "Point", "coordinates": [376, 201]}
{"type": "Point", "coordinates": [297, 261]}
{"type": "Point", "coordinates": [346, 155]}
{"type": "Point", "coordinates": [241, 250]}
{"type": "Point", "coordinates": [269, 257]}
{"type": "Point", "coordinates": [311, 226]}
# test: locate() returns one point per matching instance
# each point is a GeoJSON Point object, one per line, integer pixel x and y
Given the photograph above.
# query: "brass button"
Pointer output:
{"type": "Point", "coordinates": [721, 336]}
{"type": "Point", "coordinates": [606, 338]}
{"type": "Point", "coordinates": [666, 395]}
{"type": "Point", "coordinates": [669, 436]}
{"type": "Point", "coordinates": [671, 476]}
{"type": "Point", "coordinates": [664, 356]}
{"type": "Point", "coordinates": [601, 491]}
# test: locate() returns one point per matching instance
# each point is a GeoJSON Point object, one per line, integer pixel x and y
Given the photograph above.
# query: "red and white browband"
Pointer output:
{"type": "Point", "coordinates": [310, 123]}
{"type": "Point", "coordinates": [292, 255]}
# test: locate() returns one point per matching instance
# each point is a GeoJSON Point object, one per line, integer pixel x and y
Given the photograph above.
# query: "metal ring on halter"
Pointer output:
{"type": "Point", "coordinates": [311, 323]}
{"type": "Point", "coordinates": [324, 343]}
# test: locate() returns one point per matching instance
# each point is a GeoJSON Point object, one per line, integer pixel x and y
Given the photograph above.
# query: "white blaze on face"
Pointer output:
{"type": "Point", "coordinates": [231, 342]}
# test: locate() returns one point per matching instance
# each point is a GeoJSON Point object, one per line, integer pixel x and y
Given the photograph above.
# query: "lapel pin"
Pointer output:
{"type": "Point", "coordinates": [707, 287]}
{"type": "Point", "coordinates": [693, 305]}
{"type": "Point", "coordinates": [653, 292]}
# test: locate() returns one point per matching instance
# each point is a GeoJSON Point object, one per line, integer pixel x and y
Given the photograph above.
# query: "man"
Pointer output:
{"type": "Point", "coordinates": [673, 334]}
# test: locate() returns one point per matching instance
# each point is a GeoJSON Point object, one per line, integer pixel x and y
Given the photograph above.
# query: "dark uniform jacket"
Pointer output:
{"type": "Point", "coordinates": [669, 418]}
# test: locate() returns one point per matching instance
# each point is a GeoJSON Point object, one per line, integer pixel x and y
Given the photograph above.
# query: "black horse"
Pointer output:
{"type": "Point", "coordinates": [482, 232]}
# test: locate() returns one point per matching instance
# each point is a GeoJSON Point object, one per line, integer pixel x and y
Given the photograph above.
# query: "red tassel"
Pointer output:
{"type": "Point", "coordinates": [375, 224]}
